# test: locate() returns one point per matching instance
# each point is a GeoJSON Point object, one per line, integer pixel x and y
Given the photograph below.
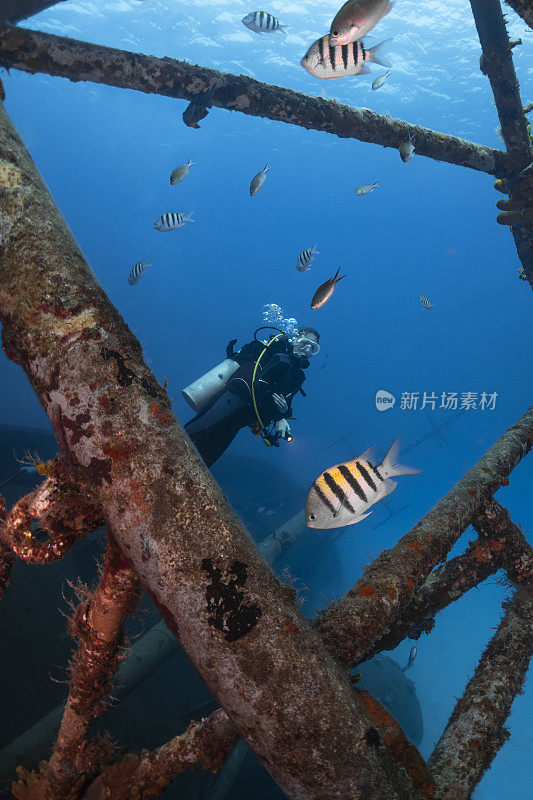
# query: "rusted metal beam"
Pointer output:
{"type": "Point", "coordinates": [475, 731]}
{"type": "Point", "coordinates": [98, 624]}
{"type": "Point", "coordinates": [237, 623]}
{"type": "Point", "coordinates": [497, 64]}
{"type": "Point", "coordinates": [350, 626]}
{"type": "Point", "coordinates": [33, 52]}
{"type": "Point", "coordinates": [444, 585]}
{"type": "Point", "coordinates": [495, 525]}
{"type": "Point", "coordinates": [16, 10]}
{"type": "Point", "coordinates": [524, 9]}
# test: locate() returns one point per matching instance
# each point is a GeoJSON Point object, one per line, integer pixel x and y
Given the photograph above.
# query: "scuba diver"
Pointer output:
{"type": "Point", "coordinates": [254, 386]}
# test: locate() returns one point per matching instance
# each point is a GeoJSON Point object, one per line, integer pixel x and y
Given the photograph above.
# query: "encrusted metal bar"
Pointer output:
{"type": "Point", "coordinates": [350, 626]}
{"type": "Point", "coordinates": [497, 64]}
{"type": "Point", "coordinates": [444, 585]}
{"type": "Point", "coordinates": [237, 623]}
{"type": "Point", "coordinates": [98, 624]}
{"type": "Point", "coordinates": [32, 51]}
{"type": "Point", "coordinates": [475, 731]}
{"type": "Point", "coordinates": [524, 9]}
{"type": "Point", "coordinates": [494, 524]}
{"type": "Point", "coordinates": [16, 10]}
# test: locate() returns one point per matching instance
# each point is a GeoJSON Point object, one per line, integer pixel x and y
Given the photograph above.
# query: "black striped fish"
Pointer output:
{"type": "Point", "coordinates": [305, 259]}
{"type": "Point", "coordinates": [426, 302]}
{"type": "Point", "coordinates": [171, 221]}
{"type": "Point", "coordinates": [137, 270]}
{"type": "Point", "coordinates": [261, 22]}
{"type": "Point", "coordinates": [342, 495]}
{"type": "Point", "coordinates": [324, 61]}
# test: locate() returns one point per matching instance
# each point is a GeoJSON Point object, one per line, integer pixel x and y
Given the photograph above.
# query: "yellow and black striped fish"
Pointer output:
{"type": "Point", "coordinates": [343, 494]}
{"type": "Point", "coordinates": [426, 302]}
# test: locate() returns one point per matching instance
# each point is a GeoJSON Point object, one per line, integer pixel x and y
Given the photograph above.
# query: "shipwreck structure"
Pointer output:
{"type": "Point", "coordinates": [125, 462]}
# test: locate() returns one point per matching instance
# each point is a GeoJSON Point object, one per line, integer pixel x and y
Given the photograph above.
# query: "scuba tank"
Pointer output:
{"type": "Point", "coordinates": [206, 388]}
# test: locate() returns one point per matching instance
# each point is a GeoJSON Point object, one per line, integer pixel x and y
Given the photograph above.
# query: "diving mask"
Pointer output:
{"type": "Point", "coordinates": [305, 346]}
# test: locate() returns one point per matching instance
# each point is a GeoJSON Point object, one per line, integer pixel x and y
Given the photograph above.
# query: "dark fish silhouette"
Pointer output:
{"type": "Point", "coordinates": [324, 292]}
{"type": "Point", "coordinates": [197, 108]}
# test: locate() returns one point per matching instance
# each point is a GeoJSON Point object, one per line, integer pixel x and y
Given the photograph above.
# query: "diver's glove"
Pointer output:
{"type": "Point", "coordinates": [281, 403]}
{"type": "Point", "coordinates": [282, 428]}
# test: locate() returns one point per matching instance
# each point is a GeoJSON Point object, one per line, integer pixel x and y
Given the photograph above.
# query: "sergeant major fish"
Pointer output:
{"type": "Point", "coordinates": [258, 180]}
{"type": "Point", "coordinates": [366, 188]}
{"type": "Point", "coordinates": [343, 495]}
{"type": "Point", "coordinates": [356, 18]}
{"type": "Point", "coordinates": [137, 270]}
{"type": "Point", "coordinates": [305, 259]}
{"type": "Point", "coordinates": [407, 149]}
{"type": "Point", "coordinates": [178, 174]}
{"type": "Point", "coordinates": [426, 302]}
{"type": "Point", "coordinates": [171, 221]}
{"type": "Point", "coordinates": [324, 292]}
{"type": "Point", "coordinates": [380, 80]}
{"type": "Point", "coordinates": [262, 22]}
{"type": "Point", "coordinates": [324, 61]}
{"type": "Point", "coordinates": [197, 108]}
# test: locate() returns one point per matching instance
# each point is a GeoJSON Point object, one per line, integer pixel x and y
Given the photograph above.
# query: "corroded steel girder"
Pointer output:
{"type": "Point", "coordinates": [32, 51]}
{"type": "Point", "coordinates": [237, 623]}
{"type": "Point", "coordinates": [475, 731]}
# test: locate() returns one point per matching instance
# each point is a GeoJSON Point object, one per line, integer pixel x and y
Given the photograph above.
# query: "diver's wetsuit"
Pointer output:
{"type": "Point", "coordinates": [280, 371]}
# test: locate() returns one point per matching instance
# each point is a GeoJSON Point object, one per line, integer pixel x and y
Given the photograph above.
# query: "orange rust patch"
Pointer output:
{"type": "Point", "coordinates": [368, 590]}
{"type": "Point", "coordinates": [496, 546]}
{"type": "Point", "coordinates": [117, 451]}
{"type": "Point", "coordinates": [161, 415]}
{"type": "Point", "coordinates": [288, 626]}
{"type": "Point", "coordinates": [415, 545]}
{"type": "Point", "coordinates": [481, 554]}
{"type": "Point", "coordinates": [397, 744]}
{"type": "Point", "coordinates": [103, 400]}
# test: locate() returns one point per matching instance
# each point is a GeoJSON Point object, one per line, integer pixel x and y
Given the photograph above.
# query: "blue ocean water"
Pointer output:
{"type": "Point", "coordinates": [106, 154]}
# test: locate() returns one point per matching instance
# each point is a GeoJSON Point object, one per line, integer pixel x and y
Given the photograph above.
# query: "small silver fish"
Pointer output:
{"type": "Point", "coordinates": [305, 259]}
{"type": "Point", "coordinates": [327, 62]}
{"type": "Point", "coordinates": [407, 149]}
{"type": "Point", "coordinates": [178, 174]}
{"type": "Point", "coordinates": [379, 81]}
{"type": "Point", "coordinates": [262, 22]}
{"type": "Point", "coordinates": [356, 18]}
{"type": "Point", "coordinates": [426, 302]}
{"type": "Point", "coordinates": [411, 659]}
{"type": "Point", "coordinates": [137, 270]}
{"type": "Point", "coordinates": [343, 495]}
{"type": "Point", "coordinates": [258, 180]}
{"type": "Point", "coordinates": [324, 292]}
{"type": "Point", "coordinates": [366, 188]}
{"type": "Point", "coordinates": [171, 221]}
{"type": "Point", "coordinates": [197, 108]}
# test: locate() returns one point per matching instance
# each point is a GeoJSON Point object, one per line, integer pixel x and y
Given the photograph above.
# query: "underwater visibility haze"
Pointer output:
{"type": "Point", "coordinates": [205, 227]}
